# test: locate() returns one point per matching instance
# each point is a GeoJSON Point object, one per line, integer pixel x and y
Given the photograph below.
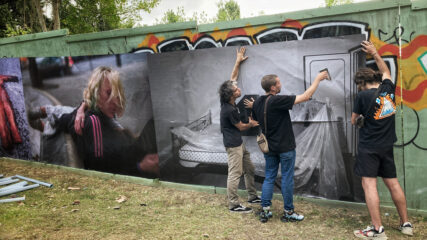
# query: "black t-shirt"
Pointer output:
{"type": "Point", "coordinates": [280, 135]}
{"type": "Point", "coordinates": [379, 129]}
{"type": "Point", "coordinates": [228, 118]}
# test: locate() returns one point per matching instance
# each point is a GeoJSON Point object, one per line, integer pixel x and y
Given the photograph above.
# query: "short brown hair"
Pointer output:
{"type": "Point", "coordinates": [367, 75]}
{"type": "Point", "coordinates": [268, 81]}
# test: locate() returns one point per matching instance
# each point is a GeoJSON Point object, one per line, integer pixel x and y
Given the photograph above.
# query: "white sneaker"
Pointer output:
{"type": "Point", "coordinates": [407, 229]}
{"type": "Point", "coordinates": [371, 233]}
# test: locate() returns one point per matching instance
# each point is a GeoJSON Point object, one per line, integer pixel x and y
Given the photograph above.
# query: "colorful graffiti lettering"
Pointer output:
{"type": "Point", "coordinates": [409, 92]}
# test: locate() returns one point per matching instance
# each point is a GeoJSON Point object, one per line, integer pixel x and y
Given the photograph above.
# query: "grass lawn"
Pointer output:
{"type": "Point", "coordinates": [89, 212]}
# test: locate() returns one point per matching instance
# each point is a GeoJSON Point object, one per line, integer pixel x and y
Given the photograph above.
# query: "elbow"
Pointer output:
{"type": "Point", "coordinates": [302, 98]}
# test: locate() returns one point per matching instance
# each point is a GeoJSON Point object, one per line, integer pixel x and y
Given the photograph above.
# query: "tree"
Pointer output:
{"type": "Point", "coordinates": [330, 3]}
{"type": "Point", "coordinates": [79, 16]}
{"type": "Point", "coordinates": [228, 11]}
{"type": "Point", "coordinates": [55, 14]}
{"type": "Point", "coordinates": [82, 16]}
{"type": "Point", "coordinates": [201, 18]}
{"type": "Point", "coordinates": [170, 16]}
{"type": "Point", "coordinates": [17, 18]}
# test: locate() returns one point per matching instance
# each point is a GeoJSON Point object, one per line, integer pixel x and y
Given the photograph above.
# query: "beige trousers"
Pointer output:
{"type": "Point", "coordinates": [239, 163]}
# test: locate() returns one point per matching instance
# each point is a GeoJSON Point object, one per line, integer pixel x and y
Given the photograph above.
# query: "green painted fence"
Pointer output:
{"type": "Point", "coordinates": [397, 27]}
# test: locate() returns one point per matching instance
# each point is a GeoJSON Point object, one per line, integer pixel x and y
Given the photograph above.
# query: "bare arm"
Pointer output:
{"type": "Point", "coordinates": [354, 116]}
{"type": "Point", "coordinates": [240, 57]}
{"type": "Point", "coordinates": [310, 91]}
{"type": "Point", "coordinates": [369, 48]}
{"type": "Point", "coordinates": [245, 126]}
{"type": "Point", "coordinates": [79, 121]}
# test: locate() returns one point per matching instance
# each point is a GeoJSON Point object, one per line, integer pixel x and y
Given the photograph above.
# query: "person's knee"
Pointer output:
{"type": "Point", "coordinates": [392, 184]}
{"type": "Point", "coordinates": [270, 179]}
{"type": "Point", "coordinates": [369, 183]}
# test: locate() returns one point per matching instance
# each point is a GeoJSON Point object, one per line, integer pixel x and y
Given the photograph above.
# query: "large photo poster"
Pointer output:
{"type": "Point", "coordinates": [184, 89]}
{"type": "Point", "coordinates": [169, 127]}
{"type": "Point", "coordinates": [118, 142]}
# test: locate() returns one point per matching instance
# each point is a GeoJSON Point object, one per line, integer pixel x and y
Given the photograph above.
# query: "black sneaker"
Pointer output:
{"type": "Point", "coordinates": [255, 200]}
{"type": "Point", "coordinates": [241, 209]}
{"type": "Point", "coordinates": [291, 216]}
{"type": "Point", "coordinates": [265, 214]}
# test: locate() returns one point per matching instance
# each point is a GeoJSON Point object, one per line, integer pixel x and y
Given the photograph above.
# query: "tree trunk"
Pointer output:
{"type": "Point", "coordinates": [40, 16]}
{"type": "Point", "coordinates": [55, 14]}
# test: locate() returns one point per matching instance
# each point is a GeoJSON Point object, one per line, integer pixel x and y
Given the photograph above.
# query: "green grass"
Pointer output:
{"type": "Point", "coordinates": [49, 213]}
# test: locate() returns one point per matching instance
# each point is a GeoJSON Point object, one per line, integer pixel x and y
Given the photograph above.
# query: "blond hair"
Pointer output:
{"type": "Point", "coordinates": [91, 92]}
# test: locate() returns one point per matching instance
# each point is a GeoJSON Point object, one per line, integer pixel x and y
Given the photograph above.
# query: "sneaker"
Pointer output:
{"type": "Point", "coordinates": [371, 233]}
{"type": "Point", "coordinates": [265, 214]}
{"type": "Point", "coordinates": [255, 200]}
{"type": "Point", "coordinates": [241, 209]}
{"type": "Point", "coordinates": [407, 229]}
{"type": "Point", "coordinates": [291, 216]}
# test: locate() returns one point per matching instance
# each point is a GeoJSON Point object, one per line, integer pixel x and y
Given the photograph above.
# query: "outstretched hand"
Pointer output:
{"type": "Point", "coordinates": [322, 75]}
{"type": "Point", "coordinates": [79, 121]}
{"type": "Point", "coordinates": [249, 102]}
{"type": "Point", "coordinates": [240, 54]}
{"type": "Point", "coordinates": [253, 123]}
{"type": "Point", "coordinates": [369, 48]}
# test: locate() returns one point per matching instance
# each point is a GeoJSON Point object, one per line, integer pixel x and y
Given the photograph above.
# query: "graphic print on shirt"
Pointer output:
{"type": "Point", "coordinates": [386, 107]}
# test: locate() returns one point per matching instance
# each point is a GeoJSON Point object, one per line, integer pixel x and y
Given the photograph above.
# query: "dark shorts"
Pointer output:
{"type": "Point", "coordinates": [375, 163]}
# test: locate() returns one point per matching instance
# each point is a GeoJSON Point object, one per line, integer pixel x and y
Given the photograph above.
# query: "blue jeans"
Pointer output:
{"type": "Point", "coordinates": [287, 162]}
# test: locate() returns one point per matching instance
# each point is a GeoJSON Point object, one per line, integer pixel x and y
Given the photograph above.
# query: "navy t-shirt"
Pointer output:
{"type": "Point", "coordinates": [230, 116]}
{"type": "Point", "coordinates": [280, 135]}
{"type": "Point", "coordinates": [379, 129]}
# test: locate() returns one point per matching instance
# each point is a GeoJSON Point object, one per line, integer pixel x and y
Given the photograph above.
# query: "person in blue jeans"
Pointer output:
{"type": "Point", "coordinates": [281, 141]}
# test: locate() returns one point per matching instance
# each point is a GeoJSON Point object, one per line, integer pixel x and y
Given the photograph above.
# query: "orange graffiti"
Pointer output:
{"type": "Point", "coordinates": [237, 32]}
{"type": "Point", "coordinates": [420, 41]}
{"type": "Point", "coordinates": [292, 23]}
{"type": "Point", "coordinates": [413, 95]}
{"type": "Point", "coordinates": [197, 36]}
{"type": "Point", "coordinates": [153, 40]}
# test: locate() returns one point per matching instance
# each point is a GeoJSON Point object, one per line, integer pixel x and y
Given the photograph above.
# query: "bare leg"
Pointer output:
{"type": "Point", "coordinates": [398, 198]}
{"type": "Point", "coordinates": [372, 200]}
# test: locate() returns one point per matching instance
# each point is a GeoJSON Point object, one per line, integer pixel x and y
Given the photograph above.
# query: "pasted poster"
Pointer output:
{"type": "Point", "coordinates": [186, 108]}
{"type": "Point", "coordinates": [14, 134]}
{"type": "Point", "coordinates": [124, 145]}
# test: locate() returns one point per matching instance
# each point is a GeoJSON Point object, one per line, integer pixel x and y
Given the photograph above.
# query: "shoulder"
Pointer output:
{"type": "Point", "coordinates": [279, 99]}
{"type": "Point", "coordinates": [92, 120]}
{"type": "Point", "coordinates": [388, 82]}
{"type": "Point", "coordinates": [228, 107]}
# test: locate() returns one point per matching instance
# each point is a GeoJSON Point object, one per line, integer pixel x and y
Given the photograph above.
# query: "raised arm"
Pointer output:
{"type": "Point", "coordinates": [310, 91]}
{"type": "Point", "coordinates": [240, 57]}
{"type": "Point", "coordinates": [369, 48]}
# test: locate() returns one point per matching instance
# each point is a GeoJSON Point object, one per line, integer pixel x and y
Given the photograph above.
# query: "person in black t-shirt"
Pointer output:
{"type": "Point", "coordinates": [376, 102]}
{"type": "Point", "coordinates": [239, 162]}
{"type": "Point", "coordinates": [281, 141]}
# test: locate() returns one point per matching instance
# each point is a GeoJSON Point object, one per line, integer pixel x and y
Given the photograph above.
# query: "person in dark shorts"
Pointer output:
{"type": "Point", "coordinates": [239, 162]}
{"type": "Point", "coordinates": [376, 103]}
